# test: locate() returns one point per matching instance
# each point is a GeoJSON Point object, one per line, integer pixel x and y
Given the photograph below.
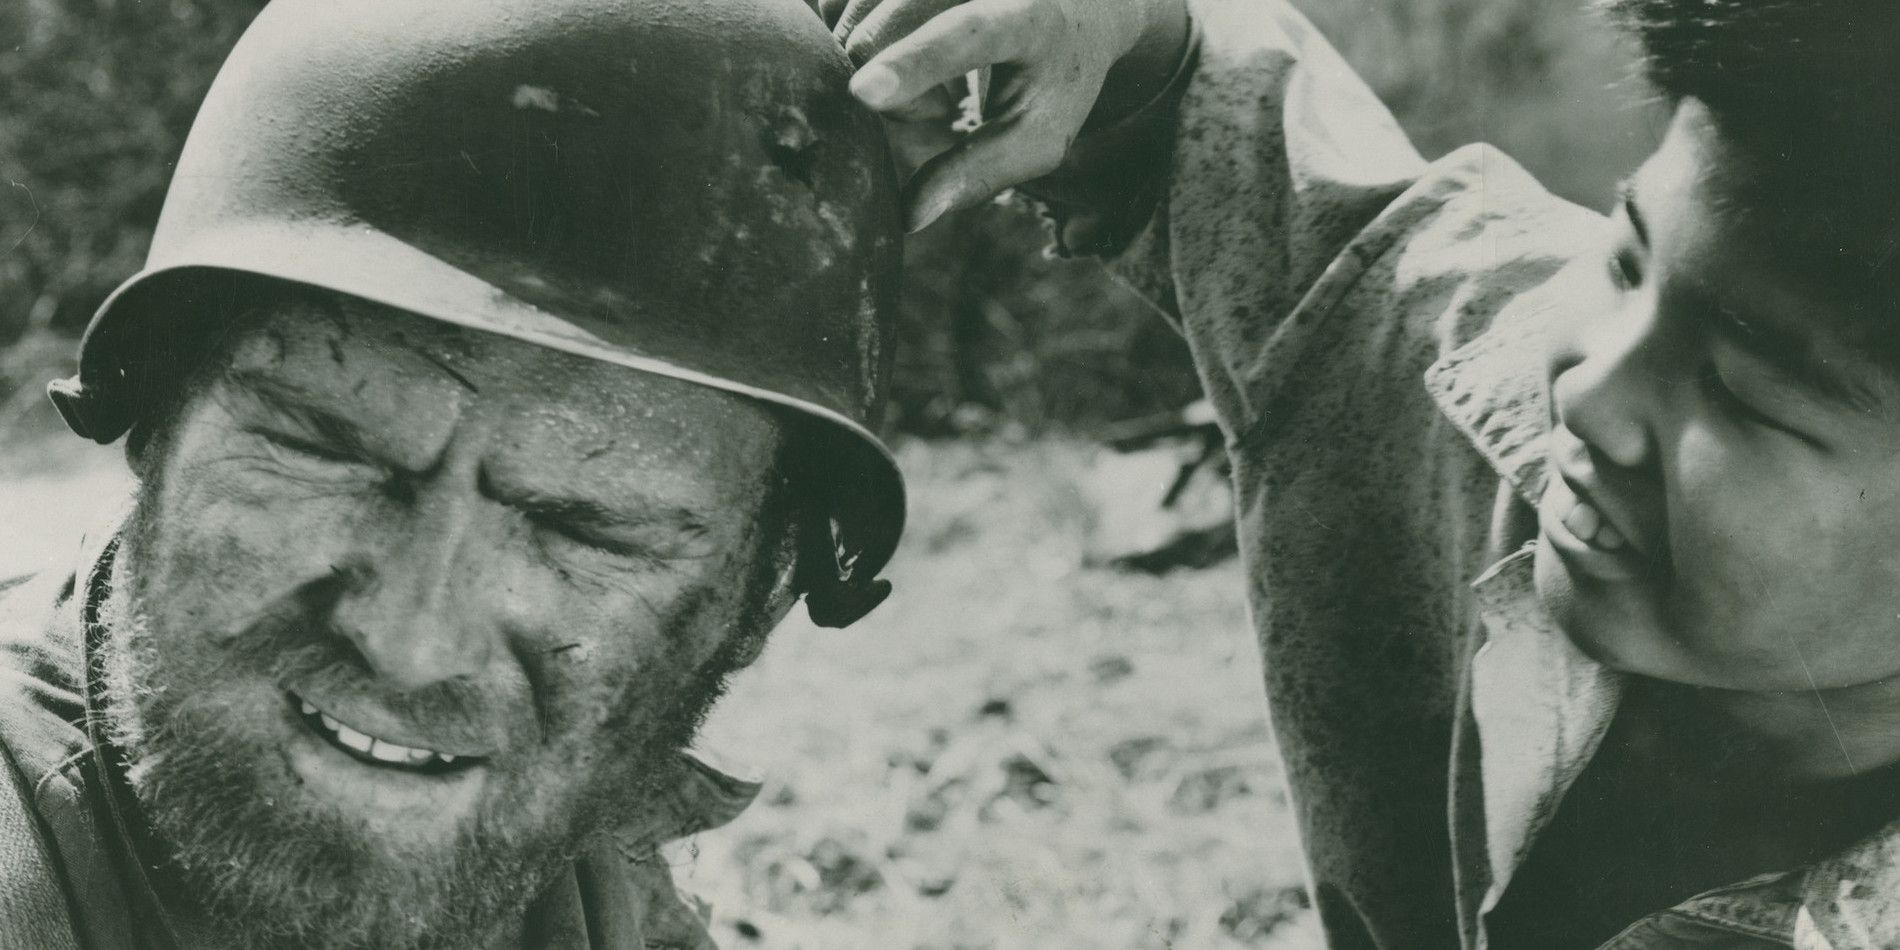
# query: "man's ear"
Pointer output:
{"type": "Point", "coordinates": [784, 586]}
{"type": "Point", "coordinates": [140, 454]}
{"type": "Point", "coordinates": [777, 605]}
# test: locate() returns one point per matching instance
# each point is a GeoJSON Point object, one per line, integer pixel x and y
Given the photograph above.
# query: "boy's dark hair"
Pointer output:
{"type": "Point", "coordinates": [1809, 89]}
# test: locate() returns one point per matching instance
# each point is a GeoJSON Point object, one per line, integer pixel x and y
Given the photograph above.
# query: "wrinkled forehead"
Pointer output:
{"type": "Point", "coordinates": [423, 379]}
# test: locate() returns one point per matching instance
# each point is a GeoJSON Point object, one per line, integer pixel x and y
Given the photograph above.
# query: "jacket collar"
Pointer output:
{"type": "Point", "coordinates": [1492, 386]}
{"type": "Point", "coordinates": [1541, 709]}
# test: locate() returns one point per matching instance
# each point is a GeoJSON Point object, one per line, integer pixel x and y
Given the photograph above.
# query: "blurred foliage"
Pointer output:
{"type": "Point", "coordinates": [99, 93]}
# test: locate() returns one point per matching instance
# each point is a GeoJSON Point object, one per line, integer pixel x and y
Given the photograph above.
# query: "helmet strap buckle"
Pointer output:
{"type": "Point", "coordinates": [840, 598]}
{"type": "Point", "coordinates": [83, 410]}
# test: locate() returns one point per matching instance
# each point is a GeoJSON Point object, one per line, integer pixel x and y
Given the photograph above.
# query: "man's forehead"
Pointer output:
{"type": "Point", "coordinates": [341, 353]}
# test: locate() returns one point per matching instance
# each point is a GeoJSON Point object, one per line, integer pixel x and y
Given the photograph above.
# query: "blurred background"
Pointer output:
{"type": "Point", "coordinates": [1053, 735]}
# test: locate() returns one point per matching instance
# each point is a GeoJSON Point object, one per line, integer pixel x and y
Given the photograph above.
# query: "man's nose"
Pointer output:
{"type": "Point", "coordinates": [1610, 396]}
{"type": "Point", "coordinates": [411, 605]}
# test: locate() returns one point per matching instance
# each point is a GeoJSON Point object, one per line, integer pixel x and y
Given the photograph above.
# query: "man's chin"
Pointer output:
{"type": "Point", "coordinates": [295, 850]}
{"type": "Point", "coordinates": [403, 809]}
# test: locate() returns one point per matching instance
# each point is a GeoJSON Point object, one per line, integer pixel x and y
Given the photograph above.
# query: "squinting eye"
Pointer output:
{"type": "Point", "coordinates": [309, 450]}
{"type": "Point", "coordinates": [570, 534]}
{"type": "Point", "coordinates": [1625, 270]}
{"type": "Point", "coordinates": [1723, 396]}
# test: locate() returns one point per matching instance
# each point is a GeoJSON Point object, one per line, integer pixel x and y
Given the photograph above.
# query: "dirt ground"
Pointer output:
{"type": "Point", "coordinates": [1015, 751]}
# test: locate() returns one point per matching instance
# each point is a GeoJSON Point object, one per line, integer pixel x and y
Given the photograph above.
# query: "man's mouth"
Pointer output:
{"type": "Point", "coordinates": [372, 750]}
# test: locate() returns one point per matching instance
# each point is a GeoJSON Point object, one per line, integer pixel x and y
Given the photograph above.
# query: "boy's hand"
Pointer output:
{"type": "Point", "coordinates": [1052, 64]}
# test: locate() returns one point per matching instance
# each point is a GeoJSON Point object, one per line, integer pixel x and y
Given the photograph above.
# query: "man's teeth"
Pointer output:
{"type": "Point", "coordinates": [375, 748]}
{"type": "Point", "coordinates": [353, 739]}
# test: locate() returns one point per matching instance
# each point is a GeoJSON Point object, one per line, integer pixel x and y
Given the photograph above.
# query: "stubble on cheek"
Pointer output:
{"type": "Point", "coordinates": [196, 705]}
{"type": "Point", "coordinates": [199, 717]}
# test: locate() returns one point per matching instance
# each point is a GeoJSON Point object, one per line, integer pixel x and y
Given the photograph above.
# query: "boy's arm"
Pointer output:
{"type": "Point", "coordinates": [1278, 160]}
{"type": "Point", "coordinates": [1222, 200]}
{"type": "Point", "coordinates": [1265, 152]}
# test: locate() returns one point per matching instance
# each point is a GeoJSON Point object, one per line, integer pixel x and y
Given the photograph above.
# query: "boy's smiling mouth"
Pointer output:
{"type": "Point", "coordinates": [1584, 536]}
{"type": "Point", "coordinates": [1589, 525]}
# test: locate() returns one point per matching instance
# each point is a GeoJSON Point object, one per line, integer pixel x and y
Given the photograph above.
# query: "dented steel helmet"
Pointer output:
{"type": "Point", "coordinates": [680, 187]}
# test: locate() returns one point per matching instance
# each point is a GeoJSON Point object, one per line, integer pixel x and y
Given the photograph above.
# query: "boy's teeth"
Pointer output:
{"type": "Point", "coordinates": [308, 709]}
{"type": "Point", "coordinates": [1583, 521]}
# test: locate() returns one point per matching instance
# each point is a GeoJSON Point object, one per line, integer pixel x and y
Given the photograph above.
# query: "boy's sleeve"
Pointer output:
{"type": "Point", "coordinates": [1224, 200]}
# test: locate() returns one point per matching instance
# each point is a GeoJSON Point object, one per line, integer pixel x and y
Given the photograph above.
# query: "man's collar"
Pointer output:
{"type": "Point", "coordinates": [105, 768]}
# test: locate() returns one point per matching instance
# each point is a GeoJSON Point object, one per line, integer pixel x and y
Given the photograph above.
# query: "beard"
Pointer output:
{"type": "Point", "coordinates": [266, 864]}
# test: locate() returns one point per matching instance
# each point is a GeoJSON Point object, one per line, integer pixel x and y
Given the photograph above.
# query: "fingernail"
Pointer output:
{"type": "Point", "coordinates": [926, 215]}
{"type": "Point", "coordinates": [875, 85]}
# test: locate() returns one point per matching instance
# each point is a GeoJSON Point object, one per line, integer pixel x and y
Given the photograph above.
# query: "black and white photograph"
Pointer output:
{"type": "Point", "coordinates": [949, 474]}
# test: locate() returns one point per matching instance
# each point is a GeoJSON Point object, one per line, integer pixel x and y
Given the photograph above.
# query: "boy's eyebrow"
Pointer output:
{"type": "Point", "coordinates": [1791, 351]}
{"type": "Point", "coordinates": [1626, 199]}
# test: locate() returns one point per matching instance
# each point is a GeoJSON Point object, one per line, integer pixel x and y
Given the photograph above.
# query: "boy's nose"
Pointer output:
{"type": "Point", "coordinates": [1609, 397]}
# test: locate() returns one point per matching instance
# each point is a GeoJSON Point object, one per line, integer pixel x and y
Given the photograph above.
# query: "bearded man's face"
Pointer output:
{"type": "Point", "coordinates": [406, 614]}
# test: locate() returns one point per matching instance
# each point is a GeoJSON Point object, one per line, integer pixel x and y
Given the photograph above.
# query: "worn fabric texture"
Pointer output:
{"type": "Point", "coordinates": [1369, 328]}
{"type": "Point", "coordinates": [70, 876]}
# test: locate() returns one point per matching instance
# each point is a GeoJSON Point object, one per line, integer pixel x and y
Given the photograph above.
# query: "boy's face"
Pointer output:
{"type": "Point", "coordinates": [1735, 448]}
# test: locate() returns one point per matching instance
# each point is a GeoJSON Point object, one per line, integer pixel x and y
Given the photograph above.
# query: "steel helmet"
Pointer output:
{"type": "Point", "coordinates": [681, 187]}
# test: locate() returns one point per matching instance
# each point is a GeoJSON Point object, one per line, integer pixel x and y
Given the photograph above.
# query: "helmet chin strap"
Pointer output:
{"type": "Point", "coordinates": [84, 411]}
{"type": "Point", "coordinates": [836, 595]}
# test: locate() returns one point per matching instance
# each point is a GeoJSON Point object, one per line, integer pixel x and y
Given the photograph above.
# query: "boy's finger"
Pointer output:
{"type": "Point", "coordinates": [868, 26]}
{"type": "Point", "coordinates": [991, 159]}
{"type": "Point", "coordinates": [963, 38]}
{"type": "Point", "coordinates": [833, 12]}
{"type": "Point", "coordinates": [938, 107]}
